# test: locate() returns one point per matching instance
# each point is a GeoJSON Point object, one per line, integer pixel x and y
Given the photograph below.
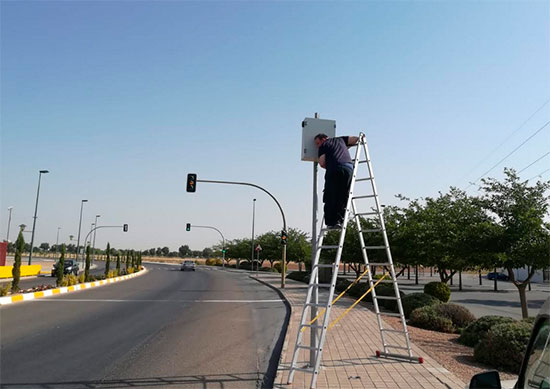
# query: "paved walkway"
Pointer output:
{"type": "Point", "coordinates": [349, 359]}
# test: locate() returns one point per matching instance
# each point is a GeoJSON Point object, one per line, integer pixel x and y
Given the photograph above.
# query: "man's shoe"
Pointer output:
{"type": "Point", "coordinates": [337, 226]}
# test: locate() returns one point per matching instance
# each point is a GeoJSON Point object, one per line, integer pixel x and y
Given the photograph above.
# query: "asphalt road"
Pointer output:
{"type": "Point", "coordinates": [205, 329]}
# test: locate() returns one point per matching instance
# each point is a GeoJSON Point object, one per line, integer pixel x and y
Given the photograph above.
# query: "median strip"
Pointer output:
{"type": "Point", "coordinates": [164, 301]}
{"type": "Point", "coordinates": [65, 289]}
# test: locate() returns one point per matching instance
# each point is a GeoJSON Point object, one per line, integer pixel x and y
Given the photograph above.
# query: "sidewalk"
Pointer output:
{"type": "Point", "coordinates": [349, 359]}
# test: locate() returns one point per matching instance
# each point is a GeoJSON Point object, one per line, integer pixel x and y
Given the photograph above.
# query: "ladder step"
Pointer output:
{"type": "Point", "coordinates": [374, 247]}
{"type": "Point", "coordinates": [363, 197]}
{"type": "Point", "coordinates": [324, 265]}
{"type": "Point", "coordinates": [364, 161]}
{"type": "Point", "coordinates": [311, 326]}
{"type": "Point", "coordinates": [389, 314]}
{"type": "Point", "coordinates": [395, 346]}
{"type": "Point", "coordinates": [379, 264]}
{"type": "Point", "coordinates": [307, 347]}
{"type": "Point", "coordinates": [372, 230]}
{"type": "Point", "coordinates": [387, 298]}
{"type": "Point", "coordinates": [364, 179]}
{"type": "Point", "coordinates": [304, 369]}
{"type": "Point", "coordinates": [316, 305]}
{"type": "Point", "coordinates": [392, 330]}
{"type": "Point", "coordinates": [366, 213]}
{"type": "Point", "coordinates": [320, 285]}
{"type": "Point", "coordinates": [330, 247]}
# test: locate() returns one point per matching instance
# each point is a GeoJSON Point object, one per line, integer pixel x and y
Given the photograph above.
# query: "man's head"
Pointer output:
{"type": "Point", "coordinates": [320, 139]}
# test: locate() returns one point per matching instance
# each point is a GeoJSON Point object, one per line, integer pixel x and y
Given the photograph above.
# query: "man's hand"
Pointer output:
{"type": "Point", "coordinates": [352, 140]}
{"type": "Point", "coordinates": [322, 161]}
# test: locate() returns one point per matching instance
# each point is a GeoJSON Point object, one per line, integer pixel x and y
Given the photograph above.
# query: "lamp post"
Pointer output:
{"type": "Point", "coordinates": [57, 240]}
{"type": "Point", "coordinates": [9, 222]}
{"type": "Point", "coordinates": [93, 245]}
{"type": "Point", "coordinates": [35, 211]}
{"type": "Point", "coordinates": [252, 240]}
{"type": "Point", "coordinates": [79, 225]}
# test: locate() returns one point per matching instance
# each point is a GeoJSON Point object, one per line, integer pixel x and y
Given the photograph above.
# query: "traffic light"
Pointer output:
{"type": "Point", "coordinates": [188, 227]}
{"type": "Point", "coordinates": [283, 237]}
{"type": "Point", "coordinates": [125, 227]}
{"type": "Point", "coordinates": [191, 182]}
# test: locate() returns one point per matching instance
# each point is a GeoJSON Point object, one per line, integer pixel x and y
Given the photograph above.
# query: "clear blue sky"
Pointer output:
{"type": "Point", "coordinates": [120, 100]}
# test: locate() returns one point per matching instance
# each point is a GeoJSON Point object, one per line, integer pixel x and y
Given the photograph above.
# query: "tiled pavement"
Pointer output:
{"type": "Point", "coordinates": [349, 359]}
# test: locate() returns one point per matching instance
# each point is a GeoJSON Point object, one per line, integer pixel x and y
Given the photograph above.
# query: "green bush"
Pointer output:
{"type": "Point", "coordinates": [4, 290]}
{"type": "Point", "coordinates": [504, 346]}
{"type": "Point", "coordinates": [301, 276]}
{"type": "Point", "coordinates": [387, 290]}
{"type": "Point", "coordinates": [81, 278]}
{"type": "Point", "coordinates": [439, 290]}
{"type": "Point", "coordinates": [342, 284]}
{"type": "Point", "coordinates": [71, 279]}
{"type": "Point", "coordinates": [278, 267]}
{"type": "Point", "coordinates": [215, 262]}
{"type": "Point", "coordinates": [417, 300]}
{"type": "Point", "coordinates": [459, 315]}
{"type": "Point", "coordinates": [477, 330]}
{"type": "Point", "coordinates": [428, 318]}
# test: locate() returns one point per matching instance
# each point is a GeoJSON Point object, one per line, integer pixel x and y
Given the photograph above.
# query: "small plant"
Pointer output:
{"type": "Point", "coordinates": [71, 279]}
{"type": "Point", "coordinates": [439, 290]}
{"type": "Point", "coordinates": [118, 262]}
{"type": "Point", "coordinates": [16, 270]}
{"type": "Point", "coordinates": [5, 289]}
{"type": "Point", "coordinates": [64, 282]}
{"type": "Point", "coordinates": [87, 266]}
{"type": "Point", "coordinates": [504, 346]}
{"type": "Point", "coordinates": [428, 318]}
{"type": "Point", "coordinates": [108, 259]}
{"type": "Point", "coordinates": [214, 262]}
{"type": "Point", "coordinates": [476, 331]}
{"type": "Point", "coordinates": [60, 266]}
{"type": "Point", "coordinates": [417, 300]}
{"type": "Point", "coordinates": [82, 278]}
{"type": "Point", "coordinates": [130, 270]}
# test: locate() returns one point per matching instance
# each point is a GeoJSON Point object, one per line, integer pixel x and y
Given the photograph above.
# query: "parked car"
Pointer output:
{"type": "Point", "coordinates": [187, 265]}
{"type": "Point", "coordinates": [499, 276]}
{"type": "Point", "coordinates": [535, 368]}
{"type": "Point", "coordinates": [71, 266]}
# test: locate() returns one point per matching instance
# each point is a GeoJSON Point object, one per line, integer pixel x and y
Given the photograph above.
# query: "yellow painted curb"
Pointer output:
{"type": "Point", "coordinates": [67, 289]}
{"type": "Point", "coordinates": [26, 270]}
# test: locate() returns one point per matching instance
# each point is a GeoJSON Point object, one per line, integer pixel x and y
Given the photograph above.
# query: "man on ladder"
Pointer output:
{"type": "Point", "coordinates": [335, 158]}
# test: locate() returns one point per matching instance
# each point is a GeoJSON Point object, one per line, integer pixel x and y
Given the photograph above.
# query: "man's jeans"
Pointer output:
{"type": "Point", "coordinates": [335, 196]}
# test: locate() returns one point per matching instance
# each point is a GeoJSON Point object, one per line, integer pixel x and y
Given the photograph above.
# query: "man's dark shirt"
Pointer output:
{"type": "Point", "coordinates": [336, 153]}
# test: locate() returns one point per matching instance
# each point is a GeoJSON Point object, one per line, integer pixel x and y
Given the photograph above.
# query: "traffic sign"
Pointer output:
{"type": "Point", "coordinates": [258, 248]}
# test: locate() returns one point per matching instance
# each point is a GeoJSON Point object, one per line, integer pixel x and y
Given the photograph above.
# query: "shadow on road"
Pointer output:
{"type": "Point", "coordinates": [234, 380]}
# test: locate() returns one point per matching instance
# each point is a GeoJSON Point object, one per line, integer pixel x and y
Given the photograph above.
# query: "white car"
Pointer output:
{"type": "Point", "coordinates": [187, 265]}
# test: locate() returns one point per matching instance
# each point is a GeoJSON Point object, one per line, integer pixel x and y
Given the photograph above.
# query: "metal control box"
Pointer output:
{"type": "Point", "coordinates": [310, 128]}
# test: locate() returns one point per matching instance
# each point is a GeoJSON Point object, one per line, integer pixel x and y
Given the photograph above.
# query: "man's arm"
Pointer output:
{"type": "Point", "coordinates": [322, 161]}
{"type": "Point", "coordinates": [352, 140]}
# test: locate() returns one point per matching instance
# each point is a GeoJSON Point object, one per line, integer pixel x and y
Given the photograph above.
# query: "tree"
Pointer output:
{"type": "Point", "coordinates": [118, 263]}
{"type": "Point", "coordinates": [108, 259]}
{"type": "Point", "coordinates": [44, 246]}
{"type": "Point", "coordinates": [16, 270]}
{"type": "Point", "coordinates": [127, 260]}
{"type": "Point", "coordinates": [184, 251]}
{"type": "Point", "coordinates": [519, 211]}
{"type": "Point", "coordinates": [271, 246]}
{"type": "Point", "coordinates": [165, 251]}
{"type": "Point", "coordinates": [87, 266]}
{"type": "Point", "coordinates": [60, 266]}
{"type": "Point", "coordinates": [298, 246]}
{"type": "Point", "coordinates": [207, 252]}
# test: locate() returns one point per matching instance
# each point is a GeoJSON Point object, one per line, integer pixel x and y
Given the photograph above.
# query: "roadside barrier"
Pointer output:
{"type": "Point", "coordinates": [26, 270]}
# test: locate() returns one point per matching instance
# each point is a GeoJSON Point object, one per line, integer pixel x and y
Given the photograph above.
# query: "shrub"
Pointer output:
{"type": "Point", "coordinates": [387, 290]}
{"type": "Point", "coordinates": [504, 346]}
{"type": "Point", "coordinates": [81, 278]}
{"type": "Point", "coordinates": [71, 280]}
{"type": "Point", "coordinates": [130, 270]}
{"type": "Point", "coordinates": [459, 315]}
{"type": "Point", "coordinates": [301, 276]}
{"type": "Point", "coordinates": [477, 330]}
{"type": "Point", "coordinates": [342, 284]}
{"type": "Point", "coordinates": [4, 290]}
{"type": "Point", "coordinates": [278, 267]}
{"type": "Point", "coordinates": [428, 318]}
{"type": "Point", "coordinates": [111, 274]}
{"type": "Point", "coordinates": [213, 262]}
{"type": "Point", "coordinates": [417, 300]}
{"type": "Point", "coordinates": [439, 290]}
{"type": "Point", "coordinates": [64, 282]}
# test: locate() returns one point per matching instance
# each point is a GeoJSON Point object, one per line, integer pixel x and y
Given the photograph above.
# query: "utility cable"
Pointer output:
{"type": "Point", "coordinates": [534, 162]}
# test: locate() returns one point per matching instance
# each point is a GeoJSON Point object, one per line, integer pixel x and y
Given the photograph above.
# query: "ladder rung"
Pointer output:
{"type": "Point", "coordinates": [324, 265]}
{"type": "Point", "coordinates": [387, 297]}
{"type": "Point", "coordinates": [304, 369]}
{"type": "Point", "coordinates": [389, 314]}
{"type": "Point", "coordinates": [379, 264]}
{"type": "Point", "coordinates": [363, 161]}
{"type": "Point", "coordinates": [363, 179]}
{"type": "Point", "coordinates": [312, 326]}
{"type": "Point", "coordinates": [374, 247]}
{"type": "Point", "coordinates": [307, 347]}
{"type": "Point", "coordinates": [320, 285]}
{"type": "Point", "coordinates": [395, 346]}
{"type": "Point", "coordinates": [363, 197]}
{"type": "Point", "coordinates": [316, 305]}
{"type": "Point", "coordinates": [366, 213]}
{"type": "Point", "coordinates": [372, 230]}
{"type": "Point", "coordinates": [329, 247]}
{"type": "Point", "coordinates": [392, 330]}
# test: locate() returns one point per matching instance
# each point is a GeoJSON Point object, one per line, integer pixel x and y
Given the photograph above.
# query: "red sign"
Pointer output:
{"type": "Point", "coordinates": [258, 248]}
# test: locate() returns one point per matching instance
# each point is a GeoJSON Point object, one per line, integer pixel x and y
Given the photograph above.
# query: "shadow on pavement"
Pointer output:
{"type": "Point", "coordinates": [535, 304]}
{"type": "Point", "coordinates": [236, 380]}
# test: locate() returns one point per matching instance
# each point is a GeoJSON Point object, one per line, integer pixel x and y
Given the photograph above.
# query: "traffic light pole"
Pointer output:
{"type": "Point", "coordinates": [223, 240]}
{"type": "Point", "coordinates": [283, 267]}
{"type": "Point", "coordinates": [124, 228]}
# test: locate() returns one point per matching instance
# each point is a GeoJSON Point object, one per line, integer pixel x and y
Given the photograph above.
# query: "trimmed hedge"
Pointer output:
{"type": "Point", "coordinates": [477, 331]}
{"type": "Point", "coordinates": [417, 300]}
{"type": "Point", "coordinates": [439, 290]}
{"type": "Point", "coordinates": [504, 346]}
{"type": "Point", "coordinates": [441, 317]}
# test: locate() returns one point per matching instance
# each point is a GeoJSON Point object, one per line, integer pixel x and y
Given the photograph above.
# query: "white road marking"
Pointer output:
{"type": "Point", "coordinates": [162, 301]}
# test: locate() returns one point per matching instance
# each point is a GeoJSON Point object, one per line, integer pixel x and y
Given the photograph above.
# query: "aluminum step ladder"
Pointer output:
{"type": "Point", "coordinates": [321, 321]}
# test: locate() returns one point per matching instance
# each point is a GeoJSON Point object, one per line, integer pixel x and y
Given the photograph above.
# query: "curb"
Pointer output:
{"type": "Point", "coordinates": [65, 289]}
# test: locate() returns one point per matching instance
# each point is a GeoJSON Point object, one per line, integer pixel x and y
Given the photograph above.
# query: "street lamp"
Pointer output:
{"type": "Point", "coordinates": [57, 240]}
{"type": "Point", "coordinates": [35, 210]}
{"type": "Point", "coordinates": [9, 222]}
{"type": "Point", "coordinates": [252, 240]}
{"type": "Point", "coordinates": [79, 225]}
{"type": "Point", "coordinates": [93, 245]}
